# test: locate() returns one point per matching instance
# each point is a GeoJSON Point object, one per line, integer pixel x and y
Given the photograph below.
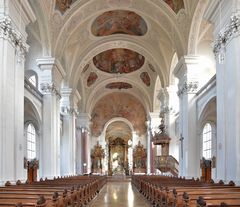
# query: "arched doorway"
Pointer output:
{"type": "Point", "coordinates": [119, 149]}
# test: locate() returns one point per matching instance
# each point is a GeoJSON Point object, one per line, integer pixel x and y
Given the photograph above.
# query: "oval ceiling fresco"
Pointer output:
{"type": "Point", "coordinates": [118, 61]}
{"type": "Point", "coordinates": [119, 22]}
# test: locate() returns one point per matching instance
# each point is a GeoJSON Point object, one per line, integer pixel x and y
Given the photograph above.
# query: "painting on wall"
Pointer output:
{"type": "Point", "coordinates": [118, 61]}
{"type": "Point", "coordinates": [91, 79]}
{"type": "Point", "coordinates": [118, 85]}
{"type": "Point", "coordinates": [145, 78]}
{"type": "Point", "coordinates": [175, 5]}
{"type": "Point", "coordinates": [118, 104]}
{"type": "Point", "coordinates": [119, 22]}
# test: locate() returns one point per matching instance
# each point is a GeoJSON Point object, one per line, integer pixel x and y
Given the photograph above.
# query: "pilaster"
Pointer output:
{"type": "Point", "coordinates": [187, 72]}
{"type": "Point", "coordinates": [52, 74]}
{"type": "Point", "coordinates": [227, 50]}
{"type": "Point", "coordinates": [13, 49]}
{"type": "Point", "coordinates": [83, 159]}
{"type": "Point", "coordinates": [68, 104]}
{"type": "Point", "coordinates": [153, 123]}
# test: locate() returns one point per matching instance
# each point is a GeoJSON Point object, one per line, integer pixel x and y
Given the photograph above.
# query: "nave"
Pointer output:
{"type": "Point", "coordinates": [119, 194]}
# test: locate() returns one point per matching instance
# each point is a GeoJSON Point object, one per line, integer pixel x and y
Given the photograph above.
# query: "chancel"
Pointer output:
{"type": "Point", "coordinates": [119, 103]}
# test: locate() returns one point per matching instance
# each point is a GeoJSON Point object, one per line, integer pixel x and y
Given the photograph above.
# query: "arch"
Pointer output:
{"type": "Point", "coordinates": [99, 46]}
{"type": "Point", "coordinates": [195, 27]}
{"type": "Point", "coordinates": [141, 94]}
{"type": "Point", "coordinates": [150, 12]}
{"type": "Point", "coordinates": [118, 119]}
{"type": "Point", "coordinates": [156, 101]}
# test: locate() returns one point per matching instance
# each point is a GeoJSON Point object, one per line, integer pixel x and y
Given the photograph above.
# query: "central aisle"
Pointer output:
{"type": "Point", "coordinates": [119, 194]}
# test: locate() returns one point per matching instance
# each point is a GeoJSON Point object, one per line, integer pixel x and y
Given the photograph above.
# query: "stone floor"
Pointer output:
{"type": "Point", "coordinates": [119, 194]}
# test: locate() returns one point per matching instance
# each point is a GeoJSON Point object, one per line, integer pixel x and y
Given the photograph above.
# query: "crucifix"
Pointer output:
{"type": "Point", "coordinates": [181, 140]}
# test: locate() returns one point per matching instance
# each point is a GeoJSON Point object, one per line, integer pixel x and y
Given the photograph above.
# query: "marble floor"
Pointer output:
{"type": "Point", "coordinates": [119, 194]}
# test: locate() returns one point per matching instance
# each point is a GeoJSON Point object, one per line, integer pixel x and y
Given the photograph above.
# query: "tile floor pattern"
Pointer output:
{"type": "Point", "coordinates": [119, 194]}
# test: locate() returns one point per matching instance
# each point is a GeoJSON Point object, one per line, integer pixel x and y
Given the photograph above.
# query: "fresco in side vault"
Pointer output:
{"type": "Point", "coordinates": [118, 61]}
{"type": "Point", "coordinates": [175, 5]}
{"type": "Point", "coordinates": [118, 85]}
{"type": "Point", "coordinates": [91, 79]}
{"type": "Point", "coordinates": [145, 78]}
{"type": "Point", "coordinates": [119, 22]}
{"type": "Point", "coordinates": [118, 105]}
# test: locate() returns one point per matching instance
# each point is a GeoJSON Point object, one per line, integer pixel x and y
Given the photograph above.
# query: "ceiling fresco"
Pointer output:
{"type": "Point", "coordinates": [91, 79]}
{"type": "Point", "coordinates": [118, 105]}
{"type": "Point", "coordinates": [145, 78]}
{"type": "Point", "coordinates": [175, 5]}
{"type": "Point", "coordinates": [119, 22]}
{"type": "Point", "coordinates": [118, 85]}
{"type": "Point", "coordinates": [63, 5]}
{"type": "Point", "coordinates": [118, 61]}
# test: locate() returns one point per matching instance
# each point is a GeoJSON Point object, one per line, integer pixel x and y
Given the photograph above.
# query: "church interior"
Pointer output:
{"type": "Point", "coordinates": [119, 103]}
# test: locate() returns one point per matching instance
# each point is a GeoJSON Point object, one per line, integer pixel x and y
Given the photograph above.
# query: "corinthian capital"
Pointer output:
{"type": "Point", "coordinates": [7, 31]}
{"type": "Point", "coordinates": [50, 88]}
{"type": "Point", "coordinates": [188, 87]}
{"type": "Point", "coordinates": [228, 32]}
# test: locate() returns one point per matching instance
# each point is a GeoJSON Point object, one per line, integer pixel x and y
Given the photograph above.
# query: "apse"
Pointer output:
{"type": "Point", "coordinates": [119, 22]}
{"type": "Point", "coordinates": [119, 60]}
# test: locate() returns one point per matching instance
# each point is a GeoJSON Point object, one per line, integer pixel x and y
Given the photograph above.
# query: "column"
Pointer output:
{"type": "Point", "coordinates": [13, 49]}
{"type": "Point", "coordinates": [83, 150]}
{"type": "Point", "coordinates": [227, 50]}
{"type": "Point", "coordinates": [50, 80]}
{"type": "Point", "coordinates": [69, 103]}
{"type": "Point", "coordinates": [187, 72]}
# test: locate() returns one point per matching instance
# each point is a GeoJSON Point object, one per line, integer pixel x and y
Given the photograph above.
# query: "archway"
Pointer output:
{"type": "Point", "coordinates": [119, 149]}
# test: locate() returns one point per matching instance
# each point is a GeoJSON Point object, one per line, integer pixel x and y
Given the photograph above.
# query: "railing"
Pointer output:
{"type": "Point", "coordinates": [167, 164]}
{"type": "Point", "coordinates": [33, 90]}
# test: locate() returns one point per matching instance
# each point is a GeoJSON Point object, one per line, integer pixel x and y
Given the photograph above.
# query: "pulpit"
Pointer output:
{"type": "Point", "coordinates": [206, 167]}
{"type": "Point", "coordinates": [165, 162]}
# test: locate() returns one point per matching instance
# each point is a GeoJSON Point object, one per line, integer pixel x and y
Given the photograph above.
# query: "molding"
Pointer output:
{"type": "Point", "coordinates": [231, 30]}
{"type": "Point", "coordinates": [8, 32]}
{"type": "Point", "coordinates": [50, 88]}
{"type": "Point", "coordinates": [190, 87]}
{"type": "Point", "coordinates": [47, 63]}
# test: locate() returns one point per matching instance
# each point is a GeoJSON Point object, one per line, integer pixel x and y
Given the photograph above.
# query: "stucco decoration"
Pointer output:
{"type": "Point", "coordinates": [118, 105]}
{"type": "Point", "coordinates": [175, 5]}
{"type": "Point", "coordinates": [118, 85]}
{"type": "Point", "coordinates": [91, 79]}
{"type": "Point", "coordinates": [118, 61]}
{"type": "Point", "coordinates": [145, 78]}
{"type": "Point", "coordinates": [119, 22]}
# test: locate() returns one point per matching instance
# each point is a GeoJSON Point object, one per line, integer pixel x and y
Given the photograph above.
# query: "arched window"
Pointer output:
{"type": "Point", "coordinates": [31, 141]}
{"type": "Point", "coordinates": [207, 141]}
{"type": "Point", "coordinates": [33, 80]}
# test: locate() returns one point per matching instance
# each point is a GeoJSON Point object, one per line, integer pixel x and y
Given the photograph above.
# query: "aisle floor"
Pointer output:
{"type": "Point", "coordinates": [119, 194]}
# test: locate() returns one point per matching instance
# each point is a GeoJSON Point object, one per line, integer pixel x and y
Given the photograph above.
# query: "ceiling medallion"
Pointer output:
{"type": "Point", "coordinates": [118, 61]}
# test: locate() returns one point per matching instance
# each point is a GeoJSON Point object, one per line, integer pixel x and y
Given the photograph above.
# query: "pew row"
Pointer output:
{"type": "Point", "coordinates": [181, 192]}
{"type": "Point", "coordinates": [59, 192]}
